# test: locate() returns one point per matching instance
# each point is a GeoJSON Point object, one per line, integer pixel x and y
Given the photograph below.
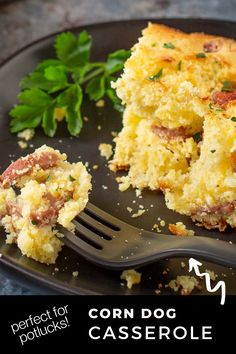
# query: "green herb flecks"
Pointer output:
{"type": "Point", "coordinates": [61, 83]}
{"type": "Point", "coordinates": [233, 119]}
{"type": "Point", "coordinates": [179, 65]}
{"type": "Point", "coordinates": [169, 45]}
{"type": "Point", "coordinates": [197, 137]}
{"type": "Point", "coordinates": [71, 178]}
{"type": "Point", "coordinates": [34, 222]}
{"type": "Point", "coordinates": [227, 86]}
{"type": "Point", "coordinates": [157, 76]}
{"type": "Point", "coordinates": [213, 108]}
{"type": "Point", "coordinates": [212, 151]}
{"type": "Point", "coordinates": [200, 55]}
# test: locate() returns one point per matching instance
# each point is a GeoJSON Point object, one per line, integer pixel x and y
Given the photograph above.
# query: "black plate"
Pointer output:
{"type": "Point", "coordinates": [107, 37]}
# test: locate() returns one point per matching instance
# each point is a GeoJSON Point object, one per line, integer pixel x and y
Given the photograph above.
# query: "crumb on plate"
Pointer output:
{"type": "Point", "coordinates": [156, 228]}
{"type": "Point", "coordinates": [114, 134]}
{"type": "Point", "coordinates": [163, 223]}
{"type": "Point", "coordinates": [185, 283]}
{"type": "Point", "coordinates": [60, 113]}
{"type": "Point", "coordinates": [100, 103]}
{"type": "Point", "coordinates": [212, 274]}
{"type": "Point", "coordinates": [140, 212]}
{"type": "Point", "coordinates": [180, 229]}
{"type": "Point", "coordinates": [26, 134]}
{"type": "Point", "coordinates": [22, 144]}
{"type": "Point", "coordinates": [105, 150]}
{"type": "Point", "coordinates": [131, 276]}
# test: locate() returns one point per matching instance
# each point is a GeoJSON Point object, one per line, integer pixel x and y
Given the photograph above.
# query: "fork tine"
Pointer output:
{"type": "Point", "coordinates": [90, 235]}
{"type": "Point", "coordinates": [76, 243]}
{"type": "Point", "coordinates": [95, 226]}
{"type": "Point", "coordinates": [105, 218]}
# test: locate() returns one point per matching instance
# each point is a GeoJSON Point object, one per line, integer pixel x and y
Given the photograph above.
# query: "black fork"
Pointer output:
{"type": "Point", "coordinates": [112, 243]}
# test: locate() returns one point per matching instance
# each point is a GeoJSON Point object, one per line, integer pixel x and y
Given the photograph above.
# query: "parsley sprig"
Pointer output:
{"type": "Point", "coordinates": [60, 84]}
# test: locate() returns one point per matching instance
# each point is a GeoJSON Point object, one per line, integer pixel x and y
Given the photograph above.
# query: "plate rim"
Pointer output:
{"type": "Point", "coordinates": [53, 283]}
{"type": "Point", "coordinates": [109, 23]}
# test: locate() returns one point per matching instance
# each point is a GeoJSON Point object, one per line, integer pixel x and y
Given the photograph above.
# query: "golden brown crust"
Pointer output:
{"type": "Point", "coordinates": [196, 40]}
{"type": "Point", "coordinates": [221, 225]}
{"type": "Point", "coordinates": [115, 167]}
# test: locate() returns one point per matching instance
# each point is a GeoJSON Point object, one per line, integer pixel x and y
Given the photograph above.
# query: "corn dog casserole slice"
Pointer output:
{"type": "Point", "coordinates": [178, 88]}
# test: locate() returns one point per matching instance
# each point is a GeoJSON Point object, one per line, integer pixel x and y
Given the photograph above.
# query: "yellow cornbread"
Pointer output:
{"type": "Point", "coordinates": [178, 88]}
{"type": "Point", "coordinates": [47, 196]}
{"type": "Point", "coordinates": [153, 162]}
{"type": "Point", "coordinates": [209, 194]}
{"type": "Point", "coordinates": [180, 96]}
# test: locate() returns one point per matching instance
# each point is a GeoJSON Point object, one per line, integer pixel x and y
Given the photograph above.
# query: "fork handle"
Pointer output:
{"type": "Point", "coordinates": [166, 246]}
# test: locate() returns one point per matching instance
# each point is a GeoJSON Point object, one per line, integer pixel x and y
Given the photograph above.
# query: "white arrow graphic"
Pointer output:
{"type": "Point", "coordinates": [194, 265]}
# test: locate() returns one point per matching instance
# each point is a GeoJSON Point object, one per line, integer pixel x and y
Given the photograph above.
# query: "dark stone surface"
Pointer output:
{"type": "Point", "coordinates": [23, 21]}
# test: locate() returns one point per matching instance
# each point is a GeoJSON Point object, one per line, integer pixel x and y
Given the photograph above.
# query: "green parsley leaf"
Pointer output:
{"type": "Point", "coordinates": [117, 104]}
{"type": "Point", "coordinates": [68, 197]}
{"type": "Point", "coordinates": [197, 137]}
{"type": "Point", "coordinates": [169, 45]}
{"type": "Point", "coordinates": [227, 86]}
{"type": "Point", "coordinates": [71, 178]}
{"type": "Point", "coordinates": [156, 76]}
{"type": "Point", "coordinates": [79, 73]}
{"type": "Point", "coordinates": [51, 79]}
{"type": "Point", "coordinates": [179, 65]}
{"type": "Point", "coordinates": [200, 55]}
{"type": "Point", "coordinates": [25, 117]}
{"type": "Point", "coordinates": [49, 121]}
{"type": "Point", "coordinates": [65, 44]}
{"type": "Point", "coordinates": [35, 97]}
{"type": "Point", "coordinates": [71, 99]}
{"type": "Point", "coordinates": [46, 63]}
{"type": "Point", "coordinates": [36, 80]}
{"type": "Point", "coordinates": [34, 222]}
{"type": "Point", "coordinates": [212, 151]}
{"type": "Point", "coordinates": [233, 119]}
{"type": "Point", "coordinates": [96, 88]}
{"type": "Point", "coordinates": [29, 114]}
{"type": "Point", "coordinates": [57, 75]}
{"type": "Point", "coordinates": [59, 83]}
{"type": "Point", "coordinates": [73, 51]}
{"type": "Point", "coordinates": [116, 60]}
